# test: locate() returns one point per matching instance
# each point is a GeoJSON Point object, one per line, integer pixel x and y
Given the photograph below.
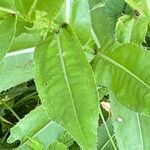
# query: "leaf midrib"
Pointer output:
{"type": "Point", "coordinates": [67, 82]}
{"type": "Point", "coordinates": [35, 134]}
{"type": "Point", "coordinates": [140, 131]}
{"type": "Point", "coordinates": [115, 63]}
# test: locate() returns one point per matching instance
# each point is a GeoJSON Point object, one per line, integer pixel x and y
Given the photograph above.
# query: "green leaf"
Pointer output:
{"type": "Point", "coordinates": [25, 37]}
{"type": "Point", "coordinates": [80, 20]}
{"type": "Point", "coordinates": [57, 146]}
{"type": "Point", "coordinates": [66, 86]}
{"type": "Point", "coordinates": [130, 29]}
{"type": "Point", "coordinates": [66, 139]}
{"type": "Point", "coordinates": [131, 129]}
{"type": "Point", "coordinates": [143, 6]}
{"type": "Point", "coordinates": [35, 20]}
{"type": "Point", "coordinates": [76, 13]}
{"type": "Point", "coordinates": [104, 142]}
{"type": "Point", "coordinates": [25, 40]}
{"type": "Point", "coordinates": [104, 16]}
{"type": "Point", "coordinates": [30, 34]}
{"type": "Point", "coordinates": [28, 7]}
{"type": "Point", "coordinates": [7, 32]}
{"type": "Point", "coordinates": [7, 6]}
{"type": "Point", "coordinates": [34, 144]}
{"type": "Point", "coordinates": [123, 69]}
{"type": "Point", "coordinates": [40, 129]}
{"type": "Point", "coordinates": [16, 67]}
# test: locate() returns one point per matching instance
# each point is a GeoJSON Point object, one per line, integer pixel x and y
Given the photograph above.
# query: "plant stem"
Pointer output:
{"type": "Point", "coordinates": [104, 146]}
{"type": "Point", "coordinates": [68, 11]}
{"type": "Point", "coordinates": [110, 137]}
{"type": "Point", "coordinates": [4, 120]}
{"type": "Point", "coordinates": [11, 110]}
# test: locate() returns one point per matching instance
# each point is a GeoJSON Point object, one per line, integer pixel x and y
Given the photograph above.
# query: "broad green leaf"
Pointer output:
{"type": "Point", "coordinates": [130, 29]}
{"type": "Point", "coordinates": [7, 32]}
{"type": "Point", "coordinates": [30, 30]}
{"type": "Point", "coordinates": [66, 86]}
{"type": "Point", "coordinates": [57, 146]}
{"type": "Point", "coordinates": [28, 7]}
{"type": "Point", "coordinates": [16, 67]}
{"type": "Point", "coordinates": [104, 142]}
{"type": "Point", "coordinates": [104, 14]}
{"type": "Point", "coordinates": [123, 68]}
{"type": "Point", "coordinates": [41, 129]}
{"type": "Point", "coordinates": [143, 6]}
{"type": "Point", "coordinates": [131, 129]}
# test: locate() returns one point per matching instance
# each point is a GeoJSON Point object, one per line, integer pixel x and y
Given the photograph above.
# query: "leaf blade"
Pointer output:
{"type": "Point", "coordinates": [45, 131]}
{"type": "Point", "coordinates": [68, 84]}
{"type": "Point", "coordinates": [7, 33]}
{"type": "Point", "coordinates": [16, 67]}
{"type": "Point", "coordinates": [125, 68]}
{"type": "Point", "coordinates": [132, 124]}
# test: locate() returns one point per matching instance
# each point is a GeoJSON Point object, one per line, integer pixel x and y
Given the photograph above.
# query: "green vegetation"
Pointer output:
{"type": "Point", "coordinates": [74, 75]}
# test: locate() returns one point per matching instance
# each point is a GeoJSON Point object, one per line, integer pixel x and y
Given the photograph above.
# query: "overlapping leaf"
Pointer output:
{"type": "Point", "coordinates": [80, 20]}
{"type": "Point", "coordinates": [16, 67]}
{"type": "Point", "coordinates": [104, 15]}
{"type": "Point", "coordinates": [7, 32]}
{"type": "Point", "coordinates": [66, 86]}
{"type": "Point", "coordinates": [7, 6]}
{"type": "Point", "coordinates": [28, 7]}
{"type": "Point", "coordinates": [104, 142]}
{"type": "Point", "coordinates": [30, 14]}
{"type": "Point", "coordinates": [38, 126]}
{"type": "Point", "coordinates": [127, 27]}
{"type": "Point", "coordinates": [143, 6]}
{"type": "Point", "coordinates": [123, 69]}
{"type": "Point", "coordinates": [131, 129]}
{"type": "Point", "coordinates": [57, 146]}
{"type": "Point", "coordinates": [77, 14]}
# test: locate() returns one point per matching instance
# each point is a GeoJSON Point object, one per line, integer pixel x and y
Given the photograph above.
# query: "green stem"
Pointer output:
{"type": "Point", "coordinates": [104, 146]}
{"type": "Point", "coordinates": [68, 11]}
{"type": "Point", "coordinates": [4, 120]}
{"type": "Point", "coordinates": [11, 110]}
{"type": "Point", "coordinates": [110, 137]}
